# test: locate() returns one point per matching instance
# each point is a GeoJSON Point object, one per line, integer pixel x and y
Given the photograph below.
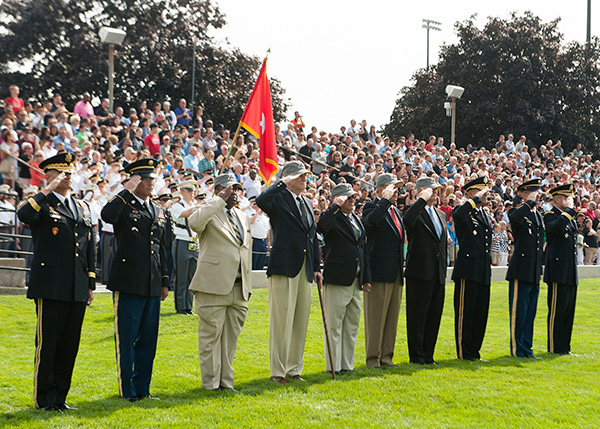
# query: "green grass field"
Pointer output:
{"type": "Point", "coordinates": [499, 392]}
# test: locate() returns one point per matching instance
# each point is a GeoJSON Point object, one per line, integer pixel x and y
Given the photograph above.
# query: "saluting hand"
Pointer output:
{"type": "Point", "coordinates": [533, 196]}
{"type": "Point", "coordinates": [388, 192]}
{"type": "Point", "coordinates": [225, 193]}
{"type": "Point", "coordinates": [132, 183]}
{"type": "Point", "coordinates": [570, 202]}
{"type": "Point", "coordinates": [482, 195]}
{"type": "Point", "coordinates": [51, 187]}
{"type": "Point", "coordinates": [339, 200]}
{"type": "Point", "coordinates": [426, 194]}
{"type": "Point", "coordinates": [287, 179]}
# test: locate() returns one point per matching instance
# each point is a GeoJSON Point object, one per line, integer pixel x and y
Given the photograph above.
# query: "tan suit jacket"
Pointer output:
{"type": "Point", "coordinates": [220, 254]}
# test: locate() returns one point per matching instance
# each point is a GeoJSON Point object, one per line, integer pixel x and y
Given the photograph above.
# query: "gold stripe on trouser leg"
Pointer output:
{"type": "Point", "coordinates": [38, 351]}
{"type": "Point", "coordinates": [552, 318]}
{"type": "Point", "coordinates": [461, 309]}
{"type": "Point", "coordinates": [513, 317]}
{"type": "Point", "coordinates": [118, 341]}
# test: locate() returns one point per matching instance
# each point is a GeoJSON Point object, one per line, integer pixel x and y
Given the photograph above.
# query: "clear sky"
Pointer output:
{"type": "Point", "coordinates": [340, 60]}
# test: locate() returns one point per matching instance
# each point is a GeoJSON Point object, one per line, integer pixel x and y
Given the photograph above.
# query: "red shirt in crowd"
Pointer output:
{"type": "Point", "coordinates": [152, 142]}
{"type": "Point", "coordinates": [447, 210]}
{"type": "Point", "coordinates": [16, 103]}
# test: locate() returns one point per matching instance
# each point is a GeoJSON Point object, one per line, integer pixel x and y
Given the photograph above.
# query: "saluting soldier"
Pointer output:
{"type": "Point", "coordinates": [62, 278]}
{"type": "Point", "coordinates": [138, 278]}
{"type": "Point", "coordinates": [525, 269]}
{"type": "Point", "coordinates": [472, 271]}
{"type": "Point", "coordinates": [560, 273]}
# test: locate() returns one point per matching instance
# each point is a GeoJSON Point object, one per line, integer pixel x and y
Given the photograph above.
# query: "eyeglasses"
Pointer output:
{"type": "Point", "coordinates": [39, 156]}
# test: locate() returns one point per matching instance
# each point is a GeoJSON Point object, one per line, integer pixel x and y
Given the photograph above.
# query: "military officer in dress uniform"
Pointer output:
{"type": "Point", "coordinates": [62, 278]}
{"type": "Point", "coordinates": [138, 278]}
{"type": "Point", "coordinates": [560, 273]}
{"type": "Point", "coordinates": [346, 273]}
{"type": "Point", "coordinates": [472, 270]}
{"type": "Point", "coordinates": [525, 269]}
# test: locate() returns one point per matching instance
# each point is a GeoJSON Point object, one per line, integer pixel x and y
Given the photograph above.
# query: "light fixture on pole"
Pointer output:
{"type": "Point", "coordinates": [430, 24]}
{"type": "Point", "coordinates": [112, 36]}
{"type": "Point", "coordinates": [454, 92]}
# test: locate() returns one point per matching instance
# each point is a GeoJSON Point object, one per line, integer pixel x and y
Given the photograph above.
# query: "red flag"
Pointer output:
{"type": "Point", "coordinates": [258, 120]}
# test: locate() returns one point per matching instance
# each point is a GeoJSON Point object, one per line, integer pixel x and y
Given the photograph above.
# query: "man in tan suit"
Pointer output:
{"type": "Point", "coordinates": [222, 282]}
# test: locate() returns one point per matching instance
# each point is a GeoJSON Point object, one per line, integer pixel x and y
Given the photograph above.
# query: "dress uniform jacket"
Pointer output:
{"type": "Point", "coordinates": [57, 235]}
{"type": "Point", "coordinates": [343, 252]}
{"type": "Point", "coordinates": [528, 230]}
{"type": "Point", "coordinates": [561, 251]}
{"type": "Point", "coordinates": [292, 242]}
{"type": "Point", "coordinates": [384, 243]}
{"type": "Point", "coordinates": [139, 265]}
{"type": "Point", "coordinates": [474, 235]}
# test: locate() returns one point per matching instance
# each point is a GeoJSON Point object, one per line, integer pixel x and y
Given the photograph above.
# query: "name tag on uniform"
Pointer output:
{"type": "Point", "coordinates": [192, 246]}
{"type": "Point", "coordinates": [55, 216]}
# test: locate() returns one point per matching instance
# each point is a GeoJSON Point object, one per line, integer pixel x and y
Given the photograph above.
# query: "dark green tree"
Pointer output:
{"type": "Point", "coordinates": [519, 77]}
{"type": "Point", "coordinates": [53, 45]}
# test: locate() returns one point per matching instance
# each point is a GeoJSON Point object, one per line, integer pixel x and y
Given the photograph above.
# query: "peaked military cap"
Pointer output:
{"type": "Point", "coordinates": [479, 183]}
{"type": "Point", "coordinates": [60, 162]}
{"type": "Point", "coordinates": [142, 167]}
{"type": "Point", "coordinates": [565, 190]}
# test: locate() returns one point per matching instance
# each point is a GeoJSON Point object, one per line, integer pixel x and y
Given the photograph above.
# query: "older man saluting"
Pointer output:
{"type": "Point", "coordinates": [222, 283]}
{"type": "Point", "coordinates": [293, 265]}
{"type": "Point", "coordinates": [385, 246]}
{"type": "Point", "coordinates": [346, 273]}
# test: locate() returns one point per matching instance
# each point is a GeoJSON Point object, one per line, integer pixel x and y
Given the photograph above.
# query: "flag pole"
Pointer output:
{"type": "Point", "coordinates": [230, 153]}
{"type": "Point", "coordinates": [237, 132]}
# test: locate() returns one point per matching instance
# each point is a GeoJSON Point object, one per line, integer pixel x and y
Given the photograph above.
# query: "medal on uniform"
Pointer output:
{"type": "Point", "coordinates": [55, 230]}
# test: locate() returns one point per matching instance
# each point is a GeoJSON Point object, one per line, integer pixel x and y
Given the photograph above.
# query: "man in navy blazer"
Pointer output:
{"type": "Point", "coordinates": [346, 273]}
{"type": "Point", "coordinates": [425, 272]}
{"type": "Point", "coordinates": [293, 265]}
{"type": "Point", "coordinates": [385, 247]}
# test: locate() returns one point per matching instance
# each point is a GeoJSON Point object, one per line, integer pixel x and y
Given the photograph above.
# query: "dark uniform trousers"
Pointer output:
{"type": "Point", "coordinates": [259, 253]}
{"type": "Point", "coordinates": [57, 341]}
{"type": "Point", "coordinates": [108, 245]}
{"type": "Point", "coordinates": [471, 307]}
{"type": "Point", "coordinates": [423, 316]}
{"type": "Point", "coordinates": [523, 299]}
{"type": "Point", "coordinates": [135, 341]}
{"type": "Point", "coordinates": [186, 261]}
{"type": "Point", "coordinates": [561, 314]}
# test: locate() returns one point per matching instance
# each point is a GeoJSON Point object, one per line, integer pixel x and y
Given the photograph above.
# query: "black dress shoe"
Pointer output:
{"type": "Point", "coordinates": [430, 362]}
{"type": "Point", "coordinates": [133, 399]}
{"type": "Point", "coordinates": [417, 362]}
{"type": "Point", "coordinates": [52, 408]}
{"type": "Point", "coordinates": [567, 354]}
{"type": "Point", "coordinates": [297, 377]}
{"type": "Point", "coordinates": [183, 312]}
{"type": "Point", "coordinates": [65, 406]}
{"type": "Point", "coordinates": [336, 373]}
{"type": "Point", "coordinates": [148, 396]}
{"type": "Point", "coordinates": [532, 356]}
{"type": "Point", "coordinates": [346, 371]}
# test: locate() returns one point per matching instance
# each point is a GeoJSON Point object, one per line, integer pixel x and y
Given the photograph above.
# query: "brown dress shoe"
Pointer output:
{"type": "Point", "coordinates": [279, 380]}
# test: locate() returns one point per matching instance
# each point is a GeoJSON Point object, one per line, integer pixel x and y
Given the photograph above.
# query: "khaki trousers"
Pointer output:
{"type": "Point", "coordinates": [342, 312]}
{"type": "Point", "coordinates": [289, 308]}
{"type": "Point", "coordinates": [221, 318]}
{"type": "Point", "coordinates": [382, 306]}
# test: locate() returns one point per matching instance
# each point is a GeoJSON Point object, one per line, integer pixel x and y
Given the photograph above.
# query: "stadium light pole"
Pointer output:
{"type": "Point", "coordinates": [112, 36]}
{"type": "Point", "coordinates": [430, 24]}
{"type": "Point", "coordinates": [454, 92]}
{"type": "Point", "coordinates": [589, 22]}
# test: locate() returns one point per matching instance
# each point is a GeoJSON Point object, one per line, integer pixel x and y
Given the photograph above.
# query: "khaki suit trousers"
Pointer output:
{"type": "Point", "coordinates": [382, 306]}
{"type": "Point", "coordinates": [342, 312]}
{"type": "Point", "coordinates": [221, 318]}
{"type": "Point", "coordinates": [289, 308]}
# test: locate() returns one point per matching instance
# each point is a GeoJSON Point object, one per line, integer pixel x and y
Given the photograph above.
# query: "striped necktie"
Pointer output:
{"type": "Point", "coordinates": [234, 225]}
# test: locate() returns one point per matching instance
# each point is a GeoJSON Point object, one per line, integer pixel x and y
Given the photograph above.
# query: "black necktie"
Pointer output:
{"type": "Point", "coordinates": [303, 214]}
{"type": "Point", "coordinates": [355, 228]}
{"type": "Point", "coordinates": [68, 207]}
